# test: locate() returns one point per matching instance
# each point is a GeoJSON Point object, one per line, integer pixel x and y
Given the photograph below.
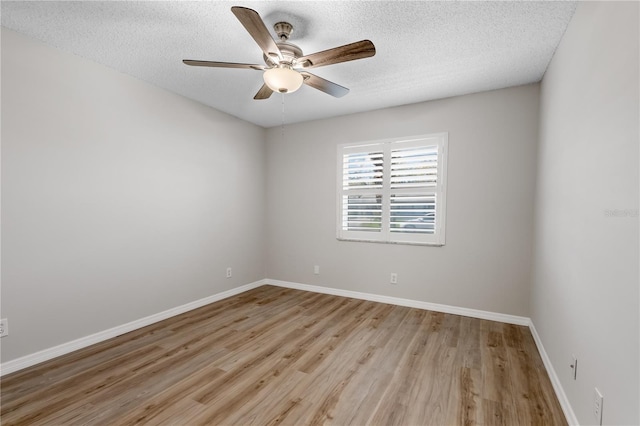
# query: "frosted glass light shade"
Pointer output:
{"type": "Point", "coordinates": [283, 80]}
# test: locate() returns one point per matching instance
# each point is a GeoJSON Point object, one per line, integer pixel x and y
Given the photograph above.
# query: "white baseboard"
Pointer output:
{"type": "Point", "coordinates": [555, 381]}
{"type": "Point", "coordinates": [83, 342]}
{"type": "Point", "coordinates": [474, 313]}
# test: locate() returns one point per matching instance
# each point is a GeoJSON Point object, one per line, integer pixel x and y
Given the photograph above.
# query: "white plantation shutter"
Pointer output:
{"type": "Point", "coordinates": [413, 180]}
{"type": "Point", "coordinates": [393, 191]}
{"type": "Point", "coordinates": [362, 212]}
{"type": "Point", "coordinates": [362, 183]}
{"type": "Point", "coordinates": [413, 213]}
{"type": "Point", "coordinates": [414, 167]}
{"type": "Point", "coordinates": [362, 170]}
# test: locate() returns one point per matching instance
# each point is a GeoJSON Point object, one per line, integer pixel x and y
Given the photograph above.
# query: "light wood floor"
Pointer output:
{"type": "Point", "coordinates": [279, 356]}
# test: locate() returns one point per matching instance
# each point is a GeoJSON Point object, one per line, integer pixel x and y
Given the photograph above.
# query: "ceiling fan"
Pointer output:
{"type": "Point", "coordinates": [285, 69]}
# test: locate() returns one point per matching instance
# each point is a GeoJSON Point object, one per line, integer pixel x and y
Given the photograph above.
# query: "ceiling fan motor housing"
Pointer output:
{"type": "Point", "coordinates": [290, 52]}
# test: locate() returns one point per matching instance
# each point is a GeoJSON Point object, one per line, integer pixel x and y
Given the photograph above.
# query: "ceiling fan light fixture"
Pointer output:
{"type": "Point", "coordinates": [283, 79]}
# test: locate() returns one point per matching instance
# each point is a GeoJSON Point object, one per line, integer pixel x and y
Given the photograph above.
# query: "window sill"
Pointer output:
{"type": "Point", "coordinates": [407, 243]}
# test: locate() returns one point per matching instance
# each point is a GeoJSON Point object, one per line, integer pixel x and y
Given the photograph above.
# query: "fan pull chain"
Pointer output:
{"type": "Point", "coordinates": [282, 94]}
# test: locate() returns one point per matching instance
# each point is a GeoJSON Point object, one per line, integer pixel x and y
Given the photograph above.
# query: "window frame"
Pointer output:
{"type": "Point", "coordinates": [385, 235]}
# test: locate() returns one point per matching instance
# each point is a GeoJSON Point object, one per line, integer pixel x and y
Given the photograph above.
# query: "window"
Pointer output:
{"type": "Point", "coordinates": [393, 191]}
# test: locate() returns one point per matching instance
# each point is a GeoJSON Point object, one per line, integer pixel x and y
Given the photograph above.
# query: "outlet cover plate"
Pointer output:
{"type": "Point", "coordinates": [598, 400]}
{"type": "Point", "coordinates": [4, 327]}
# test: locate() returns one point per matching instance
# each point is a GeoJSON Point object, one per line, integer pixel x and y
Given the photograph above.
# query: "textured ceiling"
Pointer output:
{"type": "Point", "coordinates": [424, 50]}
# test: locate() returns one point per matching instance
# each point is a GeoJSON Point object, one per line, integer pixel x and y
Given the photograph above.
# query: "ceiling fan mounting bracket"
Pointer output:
{"type": "Point", "coordinates": [283, 30]}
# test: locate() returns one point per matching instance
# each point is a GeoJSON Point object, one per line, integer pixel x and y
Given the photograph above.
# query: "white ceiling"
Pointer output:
{"type": "Point", "coordinates": [424, 50]}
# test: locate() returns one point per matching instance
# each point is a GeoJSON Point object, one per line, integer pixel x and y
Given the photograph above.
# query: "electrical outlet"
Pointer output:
{"type": "Point", "coordinates": [574, 367]}
{"type": "Point", "coordinates": [598, 400]}
{"type": "Point", "coordinates": [316, 269]}
{"type": "Point", "coordinates": [4, 327]}
{"type": "Point", "coordinates": [229, 272]}
{"type": "Point", "coordinates": [394, 278]}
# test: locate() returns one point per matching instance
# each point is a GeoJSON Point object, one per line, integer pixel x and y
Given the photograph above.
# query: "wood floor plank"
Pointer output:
{"type": "Point", "coordinates": [274, 356]}
{"type": "Point", "coordinates": [155, 408]}
{"type": "Point", "coordinates": [466, 403]}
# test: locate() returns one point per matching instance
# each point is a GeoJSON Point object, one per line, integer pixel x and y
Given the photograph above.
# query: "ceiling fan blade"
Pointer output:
{"type": "Point", "coordinates": [263, 93]}
{"type": "Point", "coordinates": [222, 64]}
{"type": "Point", "coordinates": [252, 22]}
{"type": "Point", "coordinates": [326, 86]}
{"type": "Point", "coordinates": [349, 52]}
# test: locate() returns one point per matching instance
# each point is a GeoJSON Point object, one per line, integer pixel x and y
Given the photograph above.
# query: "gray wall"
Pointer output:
{"type": "Point", "coordinates": [584, 298]}
{"type": "Point", "coordinates": [119, 200]}
{"type": "Point", "coordinates": [486, 262]}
